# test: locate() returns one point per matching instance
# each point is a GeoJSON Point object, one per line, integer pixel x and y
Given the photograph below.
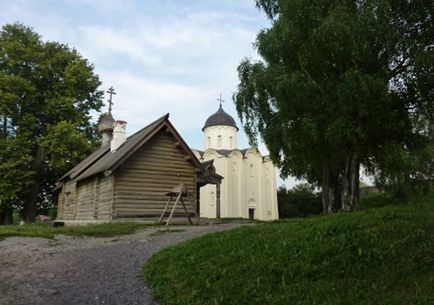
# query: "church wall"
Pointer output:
{"type": "Point", "coordinates": [235, 174]}
{"type": "Point", "coordinates": [67, 201]}
{"type": "Point", "coordinates": [104, 203]}
{"type": "Point", "coordinates": [243, 187]}
{"type": "Point", "coordinates": [220, 137]}
{"type": "Point", "coordinates": [208, 201]}
{"type": "Point", "coordinates": [142, 181]}
{"type": "Point", "coordinates": [90, 199]}
{"type": "Point", "coordinates": [252, 188]}
{"type": "Point", "coordinates": [86, 195]}
{"type": "Point", "coordinates": [208, 192]}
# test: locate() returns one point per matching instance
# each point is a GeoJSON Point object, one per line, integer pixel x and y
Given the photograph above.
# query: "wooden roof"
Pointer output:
{"type": "Point", "coordinates": [105, 161]}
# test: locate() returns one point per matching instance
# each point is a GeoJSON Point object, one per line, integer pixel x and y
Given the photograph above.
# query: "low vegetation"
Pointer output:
{"type": "Point", "coordinates": [40, 229]}
{"type": "Point", "coordinates": [380, 255]}
{"type": "Point", "coordinates": [300, 201]}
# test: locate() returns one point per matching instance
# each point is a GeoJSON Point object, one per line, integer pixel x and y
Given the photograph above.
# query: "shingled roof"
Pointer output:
{"type": "Point", "coordinates": [105, 161]}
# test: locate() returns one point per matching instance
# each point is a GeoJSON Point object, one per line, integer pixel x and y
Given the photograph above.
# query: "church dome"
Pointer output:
{"type": "Point", "coordinates": [106, 122]}
{"type": "Point", "coordinates": [220, 118]}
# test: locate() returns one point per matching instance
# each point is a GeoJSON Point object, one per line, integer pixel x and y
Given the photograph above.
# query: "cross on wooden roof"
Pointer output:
{"type": "Point", "coordinates": [112, 92]}
{"type": "Point", "coordinates": [220, 100]}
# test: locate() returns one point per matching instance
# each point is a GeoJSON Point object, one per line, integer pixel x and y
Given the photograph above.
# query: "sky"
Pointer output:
{"type": "Point", "coordinates": [165, 56]}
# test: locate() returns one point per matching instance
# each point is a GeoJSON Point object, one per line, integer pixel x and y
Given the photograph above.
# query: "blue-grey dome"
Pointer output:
{"type": "Point", "coordinates": [220, 118]}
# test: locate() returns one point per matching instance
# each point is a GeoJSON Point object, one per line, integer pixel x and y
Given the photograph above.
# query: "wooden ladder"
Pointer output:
{"type": "Point", "coordinates": [178, 192]}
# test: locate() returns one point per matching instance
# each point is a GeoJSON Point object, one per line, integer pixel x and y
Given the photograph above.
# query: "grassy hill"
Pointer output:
{"type": "Point", "coordinates": [376, 256]}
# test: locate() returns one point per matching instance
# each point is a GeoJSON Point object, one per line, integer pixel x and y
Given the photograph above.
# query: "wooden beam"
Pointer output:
{"type": "Point", "coordinates": [218, 217]}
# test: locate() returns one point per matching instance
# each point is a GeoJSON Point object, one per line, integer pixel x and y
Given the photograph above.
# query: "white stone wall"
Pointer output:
{"type": "Point", "coordinates": [220, 137]}
{"type": "Point", "coordinates": [249, 183]}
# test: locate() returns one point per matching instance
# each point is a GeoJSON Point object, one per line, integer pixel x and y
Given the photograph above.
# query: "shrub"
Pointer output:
{"type": "Point", "coordinates": [300, 201]}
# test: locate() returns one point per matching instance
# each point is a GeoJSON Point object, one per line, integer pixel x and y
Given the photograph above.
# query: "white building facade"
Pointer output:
{"type": "Point", "coordinates": [248, 189]}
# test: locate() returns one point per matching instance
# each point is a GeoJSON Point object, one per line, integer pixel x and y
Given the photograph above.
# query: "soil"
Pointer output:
{"type": "Point", "coordinates": [85, 270]}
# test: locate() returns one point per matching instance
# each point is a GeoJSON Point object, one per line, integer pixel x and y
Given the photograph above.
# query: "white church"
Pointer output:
{"type": "Point", "coordinates": [248, 189]}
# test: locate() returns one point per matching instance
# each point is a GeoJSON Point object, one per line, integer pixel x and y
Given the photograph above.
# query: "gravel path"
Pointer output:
{"type": "Point", "coordinates": [80, 271]}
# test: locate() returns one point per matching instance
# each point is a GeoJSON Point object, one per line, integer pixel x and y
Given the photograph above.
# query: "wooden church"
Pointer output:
{"type": "Point", "coordinates": [129, 178]}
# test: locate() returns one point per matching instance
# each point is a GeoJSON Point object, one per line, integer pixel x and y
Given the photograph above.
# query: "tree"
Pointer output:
{"type": "Point", "coordinates": [340, 83]}
{"type": "Point", "coordinates": [300, 201]}
{"type": "Point", "coordinates": [47, 91]}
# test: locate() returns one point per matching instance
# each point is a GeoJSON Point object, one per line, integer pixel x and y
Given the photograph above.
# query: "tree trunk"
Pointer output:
{"type": "Point", "coordinates": [6, 215]}
{"type": "Point", "coordinates": [328, 187]}
{"type": "Point", "coordinates": [337, 191]}
{"type": "Point", "coordinates": [407, 189]}
{"type": "Point", "coordinates": [325, 191]}
{"type": "Point", "coordinates": [30, 207]}
{"type": "Point", "coordinates": [350, 183]}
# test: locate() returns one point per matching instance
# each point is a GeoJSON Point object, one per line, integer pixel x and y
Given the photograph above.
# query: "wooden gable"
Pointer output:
{"type": "Point", "coordinates": [142, 181]}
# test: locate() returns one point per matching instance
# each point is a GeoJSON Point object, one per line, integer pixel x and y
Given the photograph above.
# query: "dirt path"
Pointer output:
{"type": "Point", "coordinates": [80, 271]}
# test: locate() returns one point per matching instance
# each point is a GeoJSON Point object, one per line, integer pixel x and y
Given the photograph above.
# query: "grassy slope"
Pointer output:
{"type": "Point", "coordinates": [376, 256]}
{"type": "Point", "coordinates": [46, 231]}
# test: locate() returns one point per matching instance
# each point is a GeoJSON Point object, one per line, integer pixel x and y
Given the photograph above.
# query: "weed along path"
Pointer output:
{"type": "Point", "coordinates": [85, 270]}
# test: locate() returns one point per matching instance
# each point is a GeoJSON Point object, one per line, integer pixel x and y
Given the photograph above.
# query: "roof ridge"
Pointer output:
{"type": "Point", "coordinates": [86, 164]}
{"type": "Point", "coordinates": [165, 117]}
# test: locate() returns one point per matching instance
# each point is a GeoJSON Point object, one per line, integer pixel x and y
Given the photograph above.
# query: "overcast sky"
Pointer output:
{"type": "Point", "coordinates": [160, 56]}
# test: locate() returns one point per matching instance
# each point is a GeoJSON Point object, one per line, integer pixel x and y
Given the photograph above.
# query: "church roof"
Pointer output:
{"type": "Point", "coordinates": [103, 159]}
{"type": "Point", "coordinates": [220, 118]}
{"type": "Point", "coordinates": [224, 152]}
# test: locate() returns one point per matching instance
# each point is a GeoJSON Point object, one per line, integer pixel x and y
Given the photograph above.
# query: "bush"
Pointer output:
{"type": "Point", "coordinates": [301, 201]}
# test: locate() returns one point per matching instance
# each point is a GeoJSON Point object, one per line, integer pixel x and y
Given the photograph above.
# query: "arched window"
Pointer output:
{"type": "Point", "coordinates": [231, 142]}
{"type": "Point", "coordinates": [252, 172]}
{"type": "Point", "coordinates": [219, 141]}
{"type": "Point", "coordinates": [209, 141]}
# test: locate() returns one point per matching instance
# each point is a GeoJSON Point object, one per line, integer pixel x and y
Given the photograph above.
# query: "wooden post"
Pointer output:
{"type": "Point", "coordinates": [218, 202]}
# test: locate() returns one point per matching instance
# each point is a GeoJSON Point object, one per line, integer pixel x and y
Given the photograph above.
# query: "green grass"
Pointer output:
{"type": "Point", "coordinates": [44, 230]}
{"type": "Point", "coordinates": [376, 256]}
{"type": "Point", "coordinates": [165, 231]}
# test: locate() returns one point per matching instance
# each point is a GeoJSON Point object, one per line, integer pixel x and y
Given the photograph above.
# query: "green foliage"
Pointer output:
{"type": "Point", "coordinates": [47, 91]}
{"type": "Point", "coordinates": [301, 201]}
{"type": "Point", "coordinates": [379, 200]}
{"type": "Point", "coordinates": [40, 229]}
{"type": "Point", "coordinates": [340, 82]}
{"type": "Point", "coordinates": [371, 257]}
{"type": "Point", "coordinates": [409, 175]}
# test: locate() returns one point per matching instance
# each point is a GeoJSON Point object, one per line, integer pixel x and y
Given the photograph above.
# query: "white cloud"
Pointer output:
{"type": "Point", "coordinates": [169, 58]}
{"type": "Point", "coordinates": [111, 44]}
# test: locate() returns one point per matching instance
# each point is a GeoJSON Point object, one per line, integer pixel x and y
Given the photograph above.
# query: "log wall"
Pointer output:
{"type": "Point", "coordinates": [67, 201]}
{"type": "Point", "coordinates": [85, 199]}
{"type": "Point", "coordinates": [103, 207]}
{"type": "Point", "coordinates": [142, 181]}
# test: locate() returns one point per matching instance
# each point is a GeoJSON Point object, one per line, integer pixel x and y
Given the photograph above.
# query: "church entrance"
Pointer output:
{"type": "Point", "coordinates": [251, 214]}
